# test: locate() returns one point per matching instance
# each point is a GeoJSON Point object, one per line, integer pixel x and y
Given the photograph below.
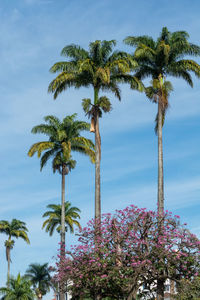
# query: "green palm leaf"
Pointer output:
{"type": "Point", "coordinates": [53, 222]}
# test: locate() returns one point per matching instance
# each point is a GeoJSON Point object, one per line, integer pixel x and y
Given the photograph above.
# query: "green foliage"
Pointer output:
{"type": "Point", "coordinates": [19, 288]}
{"type": "Point", "coordinates": [54, 218]}
{"type": "Point", "coordinates": [64, 137]}
{"type": "Point", "coordinates": [15, 228]}
{"type": "Point", "coordinates": [99, 67]}
{"type": "Point", "coordinates": [189, 290]}
{"type": "Point", "coordinates": [39, 276]}
{"type": "Point", "coordinates": [164, 57]}
{"type": "Point", "coordinates": [92, 110]}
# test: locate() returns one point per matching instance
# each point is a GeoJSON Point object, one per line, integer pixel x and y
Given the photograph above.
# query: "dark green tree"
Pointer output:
{"type": "Point", "coordinates": [40, 278]}
{"type": "Point", "coordinates": [14, 229]}
{"type": "Point", "coordinates": [102, 69]}
{"type": "Point", "coordinates": [158, 59]}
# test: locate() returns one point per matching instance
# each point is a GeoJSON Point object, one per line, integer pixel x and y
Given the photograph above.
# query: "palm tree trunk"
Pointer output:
{"type": "Point", "coordinates": [63, 214]}
{"type": "Point", "coordinates": [97, 170]}
{"type": "Point", "coordinates": [160, 161]}
{"type": "Point", "coordinates": [62, 249]}
{"type": "Point", "coordinates": [8, 259]}
{"type": "Point", "coordinates": [97, 162]}
{"type": "Point", "coordinates": [160, 283]}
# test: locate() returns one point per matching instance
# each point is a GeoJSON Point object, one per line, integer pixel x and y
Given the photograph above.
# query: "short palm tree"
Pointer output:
{"type": "Point", "coordinates": [54, 217]}
{"type": "Point", "coordinates": [40, 278]}
{"type": "Point", "coordinates": [103, 70]}
{"type": "Point", "coordinates": [19, 288]}
{"type": "Point", "coordinates": [64, 137]}
{"type": "Point", "coordinates": [157, 59]}
{"type": "Point", "coordinates": [14, 229]}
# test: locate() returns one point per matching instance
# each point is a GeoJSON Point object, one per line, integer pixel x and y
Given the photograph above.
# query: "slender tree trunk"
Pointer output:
{"type": "Point", "coordinates": [97, 163]}
{"type": "Point", "coordinates": [63, 214]}
{"type": "Point", "coordinates": [160, 161]}
{"type": "Point", "coordinates": [8, 259]}
{"type": "Point", "coordinates": [160, 283]}
{"type": "Point", "coordinates": [62, 251]}
{"type": "Point", "coordinates": [97, 171]}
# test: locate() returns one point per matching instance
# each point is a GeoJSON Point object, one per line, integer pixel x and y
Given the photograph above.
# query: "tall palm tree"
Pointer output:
{"type": "Point", "coordinates": [103, 70]}
{"type": "Point", "coordinates": [64, 137]}
{"type": "Point", "coordinates": [54, 217]}
{"type": "Point", "coordinates": [157, 59]}
{"type": "Point", "coordinates": [19, 288]}
{"type": "Point", "coordinates": [39, 275]}
{"type": "Point", "coordinates": [14, 229]}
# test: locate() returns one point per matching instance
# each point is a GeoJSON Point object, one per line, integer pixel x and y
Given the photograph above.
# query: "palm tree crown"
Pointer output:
{"type": "Point", "coordinates": [165, 56]}
{"type": "Point", "coordinates": [64, 137]}
{"type": "Point", "coordinates": [54, 218]}
{"type": "Point", "coordinates": [15, 228]}
{"type": "Point", "coordinates": [19, 288]}
{"type": "Point", "coordinates": [39, 275]}
{"type": "Point", "coordinates": [99, 67]}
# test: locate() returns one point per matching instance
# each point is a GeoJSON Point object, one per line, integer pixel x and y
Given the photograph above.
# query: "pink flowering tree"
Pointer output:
{"type": "Point", "coordinates": [124, 251]}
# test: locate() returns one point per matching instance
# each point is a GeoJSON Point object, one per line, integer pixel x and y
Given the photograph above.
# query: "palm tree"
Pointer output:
{"type": "Point", "coordinates": [158, 59]}
{"type": "Point", "coordinates": [64, 137]}
{"type": "Point", "coordinates": [16, 229]}
{"type": "Point", "coordinates": [19, 288]}
{"type": "Point", "coordinates": [54, 217]}
{"type": "Point", "coordinates": [103, 70]}
{"type": "Point", "coordinates": [40, 278]}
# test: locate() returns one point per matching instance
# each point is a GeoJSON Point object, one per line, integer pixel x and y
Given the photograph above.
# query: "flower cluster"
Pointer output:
{"type": "Point", "coordinates": [124, 250]}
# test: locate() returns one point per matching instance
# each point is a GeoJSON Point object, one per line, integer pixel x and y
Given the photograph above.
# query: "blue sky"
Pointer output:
{"type": "Point", "coordinates": [33, 32]}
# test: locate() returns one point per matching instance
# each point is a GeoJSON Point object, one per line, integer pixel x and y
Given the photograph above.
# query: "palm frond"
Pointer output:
{"type": "Point", "coordinates": [75, 52]}
{"type": "Point", "coordinates": [45, 157]}
{"type": "Point", "coordinates": [64, 66]}
{"type": "Point", "coordinates": [39, 147]}
{"type": "Point", "coordinates": [63, 81]}
{"type": "Point", "coordinates": [43, 128]}
{"type": "Point", "coordinates": [137, 40]}
{"type": "Point", "coordinates": [87, 105]}
{"type": "Point", "coordinates": [104, 104]}
{"type": "Point", "coordinates": [54, 218]}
